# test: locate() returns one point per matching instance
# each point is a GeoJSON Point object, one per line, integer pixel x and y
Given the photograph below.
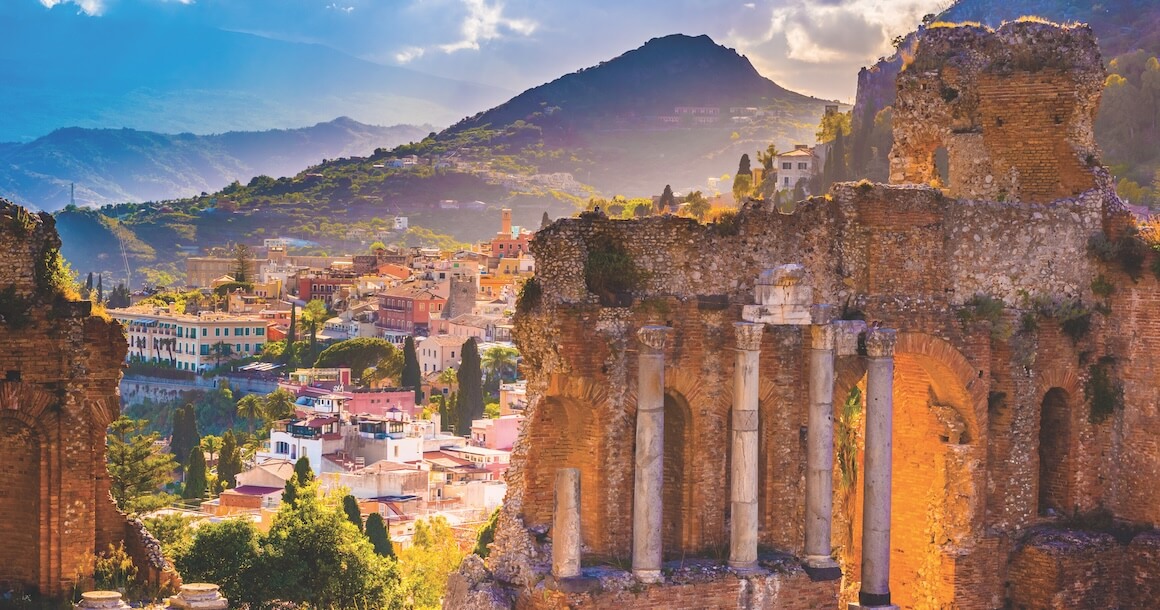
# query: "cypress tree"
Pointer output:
{"type": "Point", "coordinates": [178, 439]}
{"type": "Point", "coordinates": [411, 377]}
{"type": "Point", "coordinates": [192, 435]}
{"type": "Point", "coordinates": [668, 201]}
{"type": "Point", "coordinates": [743, 165]}
{"type": "Point", "coordinates": [290, 493]}
{"type": "Point", "coordinates": [544, 220]}
{"type": "Point", "coordinates": [470, 405]}
{"type": "Point", "coordinates": [89, 286]}
{"type": "Point", "coordinates": [291, 335]}
{"type": "Point", "coordinates": [377, 534]}
{"type": "Point", "coordinates": [100, 289]}
{"type": "Point", "coordinates": [353, 514]}
{"type": "Point", "coordinates": [230, 462]}
{"type": "Point", "coordinates": [195, 477]}
{"type": "Point", "coordinates": [302, 471]}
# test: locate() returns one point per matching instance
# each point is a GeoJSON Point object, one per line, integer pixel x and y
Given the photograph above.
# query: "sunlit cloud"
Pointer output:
{"type": "Point", "coordinates": [485, 22]}
{"type": "Point", "coordinates": [88, 7]}
{"type": "Point", "coordinates": [409, 54]}
{"type": "Point", "coordinates": [334, 6]}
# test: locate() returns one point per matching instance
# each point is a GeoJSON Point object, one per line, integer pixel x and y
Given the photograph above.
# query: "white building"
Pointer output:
{"type": "Point", "coordinates": [439, 352]}
{"type": "Point", "coordinates": [801, 163]}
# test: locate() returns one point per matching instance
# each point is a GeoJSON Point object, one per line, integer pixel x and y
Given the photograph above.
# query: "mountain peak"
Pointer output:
{"type": "Point", "coordinates": [665, 72]}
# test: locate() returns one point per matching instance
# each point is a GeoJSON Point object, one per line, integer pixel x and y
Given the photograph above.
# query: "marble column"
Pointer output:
{"type": "Point", "coordinates": [566, 525]}
{"type": "Point", "coordinates": [650, 450]}
{"type": "Point", "coordinates": [743, 479]}
{"type": "Point", "coordinates": [101, 600]}
{"type": "Point", "coordinates": [875, 590]}
{"type": "Point", "coordinates": [820, 447]}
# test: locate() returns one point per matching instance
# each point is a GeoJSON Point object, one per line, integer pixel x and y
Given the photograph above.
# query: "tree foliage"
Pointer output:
{"type": "Point", "coordinates": [230, 462]}
{"type": "Point", "coordinates": [379, 536]}
{"type": "Point", "coordinates": [486, 535]}
{"type": "Point", "coordinates": [470, 388]}
{"type": "Point", "coordinates": [136, 468]}
{"type": "Point", "coordinates": [433, 555]}
{"type": "Point", "coordinates": [358, 355]}
{"type": "Point", "coordinates": [411, 376]}
{"type": "Point", "coordinates": [196, 475]}
{"type": "Point", "coordinates": [667, 201]}
{"type": "Point", "coordinates": [351, 510]}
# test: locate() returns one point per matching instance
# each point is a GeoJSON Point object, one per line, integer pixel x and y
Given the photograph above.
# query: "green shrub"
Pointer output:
{"type": "Point", "coordinates": [531, 294]}
{"type": "Point", "coordinates": [1105, 394]}
{"type": "Point", "coordinates": [610, 272]}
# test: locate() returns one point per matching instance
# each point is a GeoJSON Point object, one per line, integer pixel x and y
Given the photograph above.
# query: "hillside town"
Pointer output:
{"type": "Point", "coordinates": [394, 444]}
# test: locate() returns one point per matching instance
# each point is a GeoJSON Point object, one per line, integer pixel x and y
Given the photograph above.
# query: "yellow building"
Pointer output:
{"type": "Point", "coordinates": [189, 342]}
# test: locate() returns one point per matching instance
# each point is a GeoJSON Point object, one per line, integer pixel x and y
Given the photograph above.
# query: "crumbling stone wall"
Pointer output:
{"type": "Point", "coordinates": [60, 367]}
{"type": "Point", "coordinates": [1013, 108]}
{"type": "Point", "coordinates": [977, 278]}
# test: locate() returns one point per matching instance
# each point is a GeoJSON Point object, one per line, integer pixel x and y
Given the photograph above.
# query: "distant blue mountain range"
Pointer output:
{"type": "Point", "coordinates": [127, 165]}
{"type": "Point", "coordinates": [171, 76]}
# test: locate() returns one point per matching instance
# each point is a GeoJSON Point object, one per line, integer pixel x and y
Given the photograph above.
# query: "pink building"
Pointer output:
{"type": "Point", "coordinates": [380, 401]}
{"type": "Point", "coordinates": [499, 433]}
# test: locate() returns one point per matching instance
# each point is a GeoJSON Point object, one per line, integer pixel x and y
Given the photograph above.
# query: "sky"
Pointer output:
{"type": "Point", "coordinates": [811, 46]}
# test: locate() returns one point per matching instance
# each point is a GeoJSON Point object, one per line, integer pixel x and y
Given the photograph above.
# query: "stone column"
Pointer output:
{"type": "Point", "coordinates": [199, 596]}
{"type": "Point", "coordinates": [875, 590]}
{"type": "Point", "coordinates": [820, 448]}
{"type": "Point", "coordinates": [743, 479]}
{"type": "Point", "coordinates": [94, 600]}
{"type": "Point", "coordinates": [566, 525]}
{"type": "Point", "coordinates": [650, 451]}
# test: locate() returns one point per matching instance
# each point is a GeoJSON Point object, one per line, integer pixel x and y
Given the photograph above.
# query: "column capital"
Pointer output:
{"type": "Point", "coordinates": [880, 342]}
{"type": "Point", "coordinates": [823, 313]}
{"type": "Point", "coordinates": [823, 336]}
{"type": "Point", "coordinates": [749, 335]}
{"type": "Point", "coordinates": [654, 337]}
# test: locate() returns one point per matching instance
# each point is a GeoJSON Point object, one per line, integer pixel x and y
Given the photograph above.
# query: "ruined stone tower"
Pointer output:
{"type": "Point", "coordinates": [60, 365]}
{"type": "Point", "coordinates": [940, 347]}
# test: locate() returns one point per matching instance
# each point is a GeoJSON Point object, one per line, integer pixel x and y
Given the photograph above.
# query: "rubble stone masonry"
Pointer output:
{"type": "Point", "coordinates": [994, 431]}
{"type": "Point", "coordinates": [59, 370]}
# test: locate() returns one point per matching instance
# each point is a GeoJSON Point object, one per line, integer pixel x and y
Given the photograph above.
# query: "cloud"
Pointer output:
{"type": "Point", "coordinates": [343, 9]}
{"type": "Point", "coordinates": [88, 7]}
{"type": "Point", "coordinates": [409, 54]}
{"type": "Point", "coordinates": [484, 22]}
{"type": "Point", "coordinates": [822, 35]}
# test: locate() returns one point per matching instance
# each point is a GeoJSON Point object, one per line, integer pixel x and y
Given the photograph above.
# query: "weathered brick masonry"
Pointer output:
{"type": "Point", "coordinates": [992, 430]}
{"type": "Point", "coordinates": [60, 367]}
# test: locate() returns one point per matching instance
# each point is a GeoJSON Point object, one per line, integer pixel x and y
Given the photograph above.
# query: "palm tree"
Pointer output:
{"type": "Point", "coordinates": [448, 377]}
{"type": "Point", "coordinates": [211, 445]}
{"type": "Point", "coordinates": [500, 362]}
{"type": "Point", "coordinates": [250, 408]}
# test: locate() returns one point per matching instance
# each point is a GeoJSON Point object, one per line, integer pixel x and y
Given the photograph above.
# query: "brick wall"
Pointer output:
{"type": "Point", "coordinates": [61, 367]}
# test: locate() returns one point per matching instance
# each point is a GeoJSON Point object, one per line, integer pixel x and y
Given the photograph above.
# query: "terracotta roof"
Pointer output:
{"type": "Point", "coordinates": [798, 153]}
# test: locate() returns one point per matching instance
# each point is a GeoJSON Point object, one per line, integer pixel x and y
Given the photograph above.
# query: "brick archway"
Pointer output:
{"type": "Point", "coordinates": [937, 494]}
{"type": "Point", "coordinates": [569, 422]}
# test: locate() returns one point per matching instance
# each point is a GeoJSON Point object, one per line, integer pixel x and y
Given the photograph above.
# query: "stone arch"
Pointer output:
{"type": "Point", "coordinates": [1054, 452]}
{"type": "Point", "coordinates": [24, 488]}
{"type": "Point", "coordinates": [937, 495]}
{"type": "Point", "coordinates": [569, 437]}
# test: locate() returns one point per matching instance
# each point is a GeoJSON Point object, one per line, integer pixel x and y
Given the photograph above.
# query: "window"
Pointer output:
{"type": "Point", "coordinates": [803, 165]}
{"type": "Point", "coordinates": [238, 332]}
{"type": "Point", "coordinates": [786, 181]}
{"type": "Point", "coordinates": [247, 331]}
{"type": "Point", "coordinates": [204, 332]}
{"type": "Point", "coordinates": [787, 165]}
{"type": "Point", "coordinates": [282, 447]}
{"type": "Point", "coordinates": [217, 332]}
{"type": "Point", "coordinates": [205, 350]}
{"type": "Point", "coordinates": [260, 331]}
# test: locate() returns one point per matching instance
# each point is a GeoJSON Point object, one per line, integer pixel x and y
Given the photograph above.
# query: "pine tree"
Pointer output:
{"type": "Point", "coordinates": [89, 286]}
{"type": "Point", "coordinates": [470, 378]}
{"type": "Point", "coordinates": [353, 513]}
{"type": "Point", "coordinates": [195, 475]}
{"type": "Point", "coordinates": [378, 535]}
{"type": "Point", "coordinates": [544, 220]}
{"type": "Point", "coordinates": [411, 377]}
{"type": "Point", "coordinates": [229, 462]}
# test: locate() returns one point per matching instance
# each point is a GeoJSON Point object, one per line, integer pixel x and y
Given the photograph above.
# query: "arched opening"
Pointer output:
{"type": "Point", "coordinates": [20, 499]}
{"type": "Point", "coordinates": [1054, 439]}
{"type": "Point", "coordinates": [567, 440]}
{"type": "Point", "coordinates": [942, 166]}
{"type": "Point", "coordinates": [676, 493]}
{"type": "Point", "coordinates": [935, 491]}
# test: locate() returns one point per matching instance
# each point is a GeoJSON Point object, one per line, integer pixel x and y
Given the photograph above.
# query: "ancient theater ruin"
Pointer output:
{"type": "Point", "coordinates": [61, 365]}
{"type": "Point", "coordinates": [906, 394]}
